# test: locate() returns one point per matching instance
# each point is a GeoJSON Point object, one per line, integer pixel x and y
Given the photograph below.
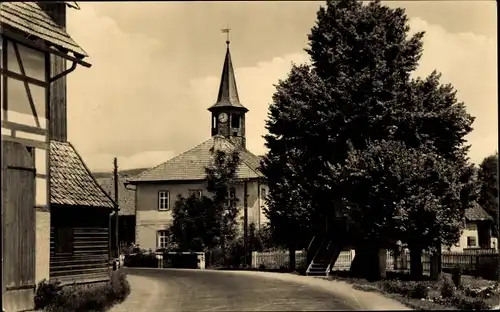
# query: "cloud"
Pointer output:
{"type": "Point", "coordinates": [469, 63]}
{"type": "Point", "coordinates": [255, 89]}
{"type": "Point", "coordinates": [145, 159]}
{"type": "Point", "coordinates": [128, 103]}
{"type": "Point", "coordinates": [143, 108]}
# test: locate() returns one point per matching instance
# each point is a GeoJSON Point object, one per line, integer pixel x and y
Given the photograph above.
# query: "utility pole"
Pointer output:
{"type": "Point", "coordinates": [115, 175]}
{"type": "Point", "coordinates": [245, 222]}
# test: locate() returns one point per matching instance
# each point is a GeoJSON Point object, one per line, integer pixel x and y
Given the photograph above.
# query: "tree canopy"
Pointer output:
{"type": "Point", "coordinates": [336, 125]}
{"type": "Point", "coordinates": [487, 176]}
{"type": "Point", "coordinates": [204, 223]}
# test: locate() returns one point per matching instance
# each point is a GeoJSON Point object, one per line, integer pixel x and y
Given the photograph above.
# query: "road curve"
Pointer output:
{"type": "Point", "coordinates": [207, 290]}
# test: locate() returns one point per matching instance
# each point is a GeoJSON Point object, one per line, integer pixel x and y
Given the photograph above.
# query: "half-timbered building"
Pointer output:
{"type": "Point", "coordinates": [34, 51]}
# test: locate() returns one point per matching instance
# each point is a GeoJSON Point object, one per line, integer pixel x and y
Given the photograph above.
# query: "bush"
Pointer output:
{"type": "Point", "coordinates": [50, 296]}
{"type": "Point", "coordinates": [262, 267]}
{"type": "Point", "coordinates": [142, 258]}
{"type": "Point", "coordinates": [421, 291]}
{"type": "Point", "coordinates": [301, 269]}
{"type": "Point", "coordinates": [235, 253]}
{"type": "Point", "coordinates": [463, 302]}
{"type": "Point", "coordinates": [46, 292]}
{"type": "Point", "coordinates": [119, 286]}
{"type": "Point", "coordinates": [447, 288]}
{"type": "Point", "coordinates": [410, 289]}
{"type": "Point", "coordinates": [456, 276]}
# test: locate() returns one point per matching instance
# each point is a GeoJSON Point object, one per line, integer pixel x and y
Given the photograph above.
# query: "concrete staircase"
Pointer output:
{"type": "Point", "coordinates": [325, 257]}
{"type": "Point", "coordinates": [317, 268]}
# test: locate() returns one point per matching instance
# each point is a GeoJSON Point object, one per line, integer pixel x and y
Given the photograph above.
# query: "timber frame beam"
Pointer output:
{"type": "Point", "coordinates": [42, 47]}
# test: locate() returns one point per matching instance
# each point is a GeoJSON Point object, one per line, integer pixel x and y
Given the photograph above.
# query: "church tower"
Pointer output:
{"type": "Point", "coordinates": [228, 114]}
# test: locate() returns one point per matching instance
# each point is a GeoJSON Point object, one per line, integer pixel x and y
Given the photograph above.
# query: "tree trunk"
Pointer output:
{"type": "Point", "coordinates": [416, 269]}
{"type": "Point", "coordinates": [369, 262]}
{"type": "Point", "coordinates": [358, 264]}
{"type": "Point", "coordinates": [436, 264]}
{"type": "Point", "coordinates": [382, 264]}
{"type": "Point", "coordinates": [292, 264]}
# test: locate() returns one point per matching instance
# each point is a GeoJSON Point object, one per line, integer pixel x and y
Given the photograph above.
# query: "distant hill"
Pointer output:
{"type": "Point", "coordinates": [124, 173]}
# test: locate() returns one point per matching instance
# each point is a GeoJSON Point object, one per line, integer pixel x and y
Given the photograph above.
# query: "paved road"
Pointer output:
{"type": "Point", "coordinates": [196, 290]}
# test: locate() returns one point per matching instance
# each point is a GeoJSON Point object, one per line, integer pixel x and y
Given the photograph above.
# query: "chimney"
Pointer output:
{"type": "Point", "coordinates": [58, 126]}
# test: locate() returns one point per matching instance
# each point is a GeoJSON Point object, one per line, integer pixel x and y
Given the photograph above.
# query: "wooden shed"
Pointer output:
{"type": "Point", "coordinates": [80, 233]}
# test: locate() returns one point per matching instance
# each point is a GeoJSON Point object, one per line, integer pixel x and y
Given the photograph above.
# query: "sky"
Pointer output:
{"type": "Point", "coordinates": [157, 65]}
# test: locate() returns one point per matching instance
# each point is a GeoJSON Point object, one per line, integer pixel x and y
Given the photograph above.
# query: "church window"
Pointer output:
{"type": "Point", "coordinates": [163, 200]}
{"type": "Point", "coordinates": [235, 121]}
{"type": "Point", "coordinates": [162, 239]}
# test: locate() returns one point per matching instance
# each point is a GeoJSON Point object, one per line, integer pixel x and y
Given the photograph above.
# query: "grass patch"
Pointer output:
{"type": "Point", "coordinates": [52, 297]}
{"type": "Point", "coordinates": [472, 294]}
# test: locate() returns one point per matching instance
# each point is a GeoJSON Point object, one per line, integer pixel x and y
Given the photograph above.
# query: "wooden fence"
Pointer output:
{"type": "Point", "coordinates": [277, 259]}
{"type": "Point", "coordinates": [477, 261]}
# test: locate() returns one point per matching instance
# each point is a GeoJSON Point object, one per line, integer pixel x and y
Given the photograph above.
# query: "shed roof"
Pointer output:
{"type": "Point", "coordinates": [28, 17]}
{"type": "Point", "coordinates": [477, 213]}
{"type": "Point", "coordinates": [71, 182]}
{"type": "Point", "coordinates": [191, 164]}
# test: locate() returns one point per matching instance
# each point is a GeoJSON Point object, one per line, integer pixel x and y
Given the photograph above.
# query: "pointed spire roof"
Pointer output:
{"type": "Point", "coordinates": [228, 92]}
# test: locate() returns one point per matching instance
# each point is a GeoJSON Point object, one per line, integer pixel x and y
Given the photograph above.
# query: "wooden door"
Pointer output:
{"type": "Point", "coordinates": [18, 226]}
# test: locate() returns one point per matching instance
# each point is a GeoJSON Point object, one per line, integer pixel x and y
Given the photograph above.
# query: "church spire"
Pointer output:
{"type": "Point", "coordinates": [228, 92]}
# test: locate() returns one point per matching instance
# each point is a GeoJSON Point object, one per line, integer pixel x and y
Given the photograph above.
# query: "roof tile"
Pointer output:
{"type": "Point", "coordinates": [126, 197]}
{"type": "Point", "coordinates": [71, 183]}
{"type": "Point", "coordinates": [477, 213]}
{"type": "Point", "coordinates": [191, 164]}
{"type": "Point", "coordinates": [31, 19]}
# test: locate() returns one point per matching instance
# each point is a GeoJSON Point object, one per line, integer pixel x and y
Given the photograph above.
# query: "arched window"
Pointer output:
{"type": "Point", "coordinates": [235, 120]}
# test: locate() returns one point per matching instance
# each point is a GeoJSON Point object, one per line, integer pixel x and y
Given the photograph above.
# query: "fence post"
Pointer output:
{"type": "Point", "coordinates": [476, 267]}
{"type": "Point", "coordinates": [160, 261]}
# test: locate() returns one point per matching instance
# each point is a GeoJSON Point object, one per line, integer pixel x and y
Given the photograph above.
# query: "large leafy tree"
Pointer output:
{"type": "Point", "coordinates": [410, 195]}
{"type": "Point", "coordinates": [287, 206]}
{"type": "Point", "coordinates": [208, 222]}
{"type": "Point", "coordinates": [357, 90]}
{"type": "Point", "coordinates": [487, 176]}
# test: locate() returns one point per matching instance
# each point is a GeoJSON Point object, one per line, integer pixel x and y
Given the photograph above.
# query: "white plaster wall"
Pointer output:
{"type": "Point", "coordinates": [42, 256]}
{"type": "Point", "coordinates": [149, 219]}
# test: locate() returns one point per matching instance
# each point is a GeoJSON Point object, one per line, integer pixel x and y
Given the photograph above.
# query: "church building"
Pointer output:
{"type": "Point", "coordinates": [156, 189]}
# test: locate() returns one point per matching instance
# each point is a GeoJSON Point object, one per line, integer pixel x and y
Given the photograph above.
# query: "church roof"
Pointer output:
{"type": "Point", "coordinates": [191, 164]}
{"type": "Point", "coordinates": [228, 92]}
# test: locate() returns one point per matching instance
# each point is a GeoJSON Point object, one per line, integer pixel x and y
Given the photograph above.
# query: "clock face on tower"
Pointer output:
{"type": "Point", "coordinates": [223, 117]}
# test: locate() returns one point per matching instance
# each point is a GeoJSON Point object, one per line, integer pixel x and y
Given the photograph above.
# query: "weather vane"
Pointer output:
{"type": "Point", "coordinates": [226, 31]}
